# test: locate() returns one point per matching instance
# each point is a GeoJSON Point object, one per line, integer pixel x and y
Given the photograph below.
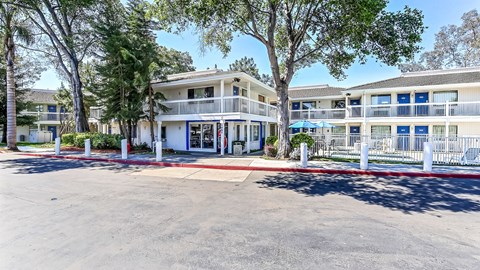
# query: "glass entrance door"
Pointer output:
{"type": "Point", "coordinates": [202, 136]}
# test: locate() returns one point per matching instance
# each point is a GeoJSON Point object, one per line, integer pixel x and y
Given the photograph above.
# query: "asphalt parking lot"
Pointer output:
{"type": "Point", "coordinates": [60, 214]}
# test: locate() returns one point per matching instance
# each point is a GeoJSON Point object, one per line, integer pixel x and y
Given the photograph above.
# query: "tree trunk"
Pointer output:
{"type": "Point", "coordinates": [11, 106]}
{"type": "Point", "coordinates": [81, 123]}
{"type": "Point", "coordinates": [282, 120]}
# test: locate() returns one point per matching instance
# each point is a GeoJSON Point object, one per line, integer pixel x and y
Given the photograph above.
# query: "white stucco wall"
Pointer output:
{"type": "Point", "coordinates": [25, 131]}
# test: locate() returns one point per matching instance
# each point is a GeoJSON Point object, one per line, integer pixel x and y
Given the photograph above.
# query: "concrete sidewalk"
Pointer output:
{"type": "Point", "coordinates": [257, 162]}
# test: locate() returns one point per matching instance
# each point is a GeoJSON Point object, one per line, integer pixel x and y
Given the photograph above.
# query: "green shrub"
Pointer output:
{"type": "Point", "coordinates": [69, 138]}
{"type": "Point", "coordinates": [299, 138]}
{"type": "Point", "coordinates": [79, 140]}
{"type": "Point", "coordinates": [271, 140]}
{"type": "Point", "coordinates": [106, 141]}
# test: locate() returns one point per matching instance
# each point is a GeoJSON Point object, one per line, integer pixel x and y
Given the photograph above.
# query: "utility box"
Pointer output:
{"type": "Point", "coordinates": [237, 150]}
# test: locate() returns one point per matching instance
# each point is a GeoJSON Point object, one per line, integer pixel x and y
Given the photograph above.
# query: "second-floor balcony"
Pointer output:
{"type": "Point", "coordinates": [234, 104]}
{"type": "Point", "coordinates": [324, 114]}
{"type": "Point", "coordinates": [447, 109]}
{"type": "Point", "coordinates": [48, 116]}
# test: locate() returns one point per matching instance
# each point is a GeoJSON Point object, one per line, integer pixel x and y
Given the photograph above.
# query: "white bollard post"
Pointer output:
{"type": "Point", "coordinates": [427, 156]}
{"type": "Point", "coordinates": [303, 155]}
{"type": "Point", "coordinates": [364, 156]}
{"type": "Point", "coordinates": [158, 149]}
{"type": "Point", "coordinates": [124, 149]}
{"type": "Point", "coordinates": [57, 146]}
{"type": "Point", "coordinates": [88, 148]}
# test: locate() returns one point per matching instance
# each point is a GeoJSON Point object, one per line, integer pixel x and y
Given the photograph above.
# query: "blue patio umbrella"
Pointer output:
{"type": "Point", "coordinates": [324, 124]}
{"type": "Point", "coordinates": [304, 124]}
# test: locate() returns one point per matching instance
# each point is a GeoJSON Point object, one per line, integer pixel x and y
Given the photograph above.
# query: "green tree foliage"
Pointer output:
{"type": "Point", "coordinates": [64, 99]}
{"type": "Point", "coordinates": [455, 47]}
{"type": "Point", "coordinates": [130, 60]}
{"type": "Point", "coordinates": [297, 34]}
{"type": "Point", "coordinates": [249, 66]}
{"type": "Point", "coordinates": [66, 38]}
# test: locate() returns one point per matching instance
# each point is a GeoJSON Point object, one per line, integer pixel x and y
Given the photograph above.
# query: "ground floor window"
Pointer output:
{"type": "Point", "coordinates": [202, 136]}
{"type": "Point", "coordinates": [255, 132]}
{"type": "Point", "coordinates": [440, 131]}
{"type": "Point", "coordinates": [339, 130]}
{"type": "Point", "coordinates": [164, 133]}
{"type": "Point", "coordinates": [381, 130]}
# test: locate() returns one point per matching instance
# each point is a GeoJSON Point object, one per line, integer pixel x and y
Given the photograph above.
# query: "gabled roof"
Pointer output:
{"type": "Point", "coordinates": [426, 78]}
{"type": "Point", "coordinates": [314, 91]}
{"type": "Point", "coordinates": [41, 96]}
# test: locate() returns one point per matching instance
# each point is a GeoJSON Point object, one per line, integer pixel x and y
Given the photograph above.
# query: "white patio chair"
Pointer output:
{"type": "Point", "coordinates": [471, 156]}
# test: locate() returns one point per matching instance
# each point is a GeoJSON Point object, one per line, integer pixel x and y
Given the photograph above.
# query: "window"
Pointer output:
{"type": "Point", "coordinates": [244, 92]}
{"type": "Point", "coordinates": [36, 108]}
{"type": "Point", "coordinates": [440, 131]}
{"type": "Point", "coordinates": [339, 130]}
{"type": "Point", "coordinates": [235, 90]}
{"type": "Point", "coordinates": [196, 93]}
{"type": "Point", "coordinates": [381, 99]}
{"type": "Point", "coordinates": [164, 132]}
{"type": "Point", "coordinates": [444, 96]}
{"type": "Point", "coordinates": [255, 133]}
{"type": "Point", "coordinates": [201, 136]}
{"type": "Point", "coordinates": [261, 98]}
{"type": "Point", "coordinates": [381, 130]}
{"type": "Point", "coordinates": [338, 104]}
{"type": "Point", "coordinates": [306, 105]}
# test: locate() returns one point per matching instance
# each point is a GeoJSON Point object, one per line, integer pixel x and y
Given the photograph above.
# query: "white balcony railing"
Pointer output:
{"type": "Point", "coordinates": [231, 104]}
{"type": "Point", "coordinates": [47, 116]}
{"type": "Point", "coordinates": [315, 114]}
{"type": "Point", "coordinates": [416, 110]}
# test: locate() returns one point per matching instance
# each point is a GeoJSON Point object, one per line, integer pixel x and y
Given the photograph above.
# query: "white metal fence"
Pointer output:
{"type": "Point", "coordinates": [399, 148]}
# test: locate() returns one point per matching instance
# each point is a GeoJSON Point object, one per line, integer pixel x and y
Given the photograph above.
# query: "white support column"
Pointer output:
{"type": "Point", "coordinates": [347, 134]}
{"type": "Point", "coordinates": [267, 130]}
{"type": "Point", "coordinates": [364, 156]}
{"type": "Point", "coordinates": [158, 151]}
{"type": "Point", "coordinates": [249, 126]}
{"type": "Point", "coordinates": [231, 134]}
{"type": "Point", "coordinates": [222, 94]}
{"type": "Point", "coordinates": [248, 95]}
{"type": "Point", "coordinates": [222, 138]}
{"type": "Point", "coordinates": [88, 148]}
{"type": "Point", "coordinates": [124, 149]}
{"type": "Point", "coordinates": [427, 156]}
{"type": "Point", "coordinates": [57, 146]}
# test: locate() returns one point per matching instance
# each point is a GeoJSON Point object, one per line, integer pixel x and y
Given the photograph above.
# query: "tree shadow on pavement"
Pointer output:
{"type": "Point", "coordinates": [406, 194]}
{"type": "Point", "coordinates": [45, 165]}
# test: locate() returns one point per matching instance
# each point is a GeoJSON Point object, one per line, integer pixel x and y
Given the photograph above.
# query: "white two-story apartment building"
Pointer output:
{"type": "Point", "coordinates": [203, 103]}
{"type": "Point", "coordinates": [444, 103]}
{"type": "Point", "coordinates": [48, 115]}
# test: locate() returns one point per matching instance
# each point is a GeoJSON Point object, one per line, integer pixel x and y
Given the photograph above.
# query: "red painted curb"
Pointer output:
{"type": "Point", "coordinates": [270, 169]}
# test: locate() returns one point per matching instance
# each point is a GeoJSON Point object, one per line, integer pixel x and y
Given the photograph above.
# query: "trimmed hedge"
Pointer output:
{"type": "Point", "coordinates": [271, 140]}
{"type": "Point", "coordinates": [80, 139]}
{"type": "Point", "coordinates": [299, 138]}
{"type": "Point", "coordinates": [98, 140]}
{"type": "Point", "coordinates": [68, 138]}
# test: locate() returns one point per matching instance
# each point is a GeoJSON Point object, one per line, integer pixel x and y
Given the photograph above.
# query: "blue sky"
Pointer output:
{"type": "Point", "coordinates": [437, 13]}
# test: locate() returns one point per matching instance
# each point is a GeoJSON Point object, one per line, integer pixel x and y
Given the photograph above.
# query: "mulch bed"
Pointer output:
{"type": "Point", "coordinates": [79, 149]}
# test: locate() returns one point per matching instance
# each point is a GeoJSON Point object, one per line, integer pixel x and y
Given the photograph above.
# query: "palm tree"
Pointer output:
{"type": "Point", "coordinates": [12, 27]}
